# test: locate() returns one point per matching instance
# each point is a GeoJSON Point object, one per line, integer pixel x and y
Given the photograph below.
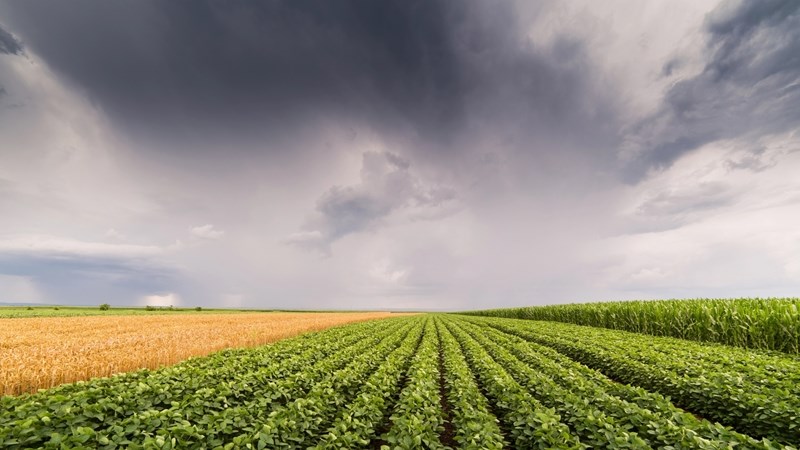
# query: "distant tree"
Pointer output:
{"type": "Point", "coordinates": [150, 308]}
{"type": "Point", "coordinates": [198, 308]}
{"type": "Point", "coordinates": [30, 308]}
{"type": "Point", "coordinates": [56, 308]}
{"type": "Point", "coordinates": [105, 307]}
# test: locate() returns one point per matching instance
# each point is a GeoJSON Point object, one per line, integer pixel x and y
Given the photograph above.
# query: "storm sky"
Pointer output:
{"type": "Point", "coordinates": [398, 154]}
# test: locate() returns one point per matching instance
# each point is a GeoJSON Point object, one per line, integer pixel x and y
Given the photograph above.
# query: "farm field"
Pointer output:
{"type": "Point", "coordinates": [71, 311]}
{"type": "Point", "coordinates": [43, 352]}
{"type": "Point", "coordinates": [432, 381]}
{"type": "Point", "coordinates": [771, 324]}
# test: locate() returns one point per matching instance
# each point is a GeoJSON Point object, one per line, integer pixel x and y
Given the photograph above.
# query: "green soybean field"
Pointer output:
{"type": "Point", "coordinates": [433, 381]}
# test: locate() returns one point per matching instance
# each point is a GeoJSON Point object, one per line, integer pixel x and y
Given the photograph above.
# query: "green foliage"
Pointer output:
{"type": "Point", "coordinates": [755, 393]}
{"type": "Point", "coordinates": [356, 425]}
{"type": "Point", "coordinates": [417, 420]}
{"type": "Point", "coordinates": [530, 424]}
{"type": "Point", "coordinates": [105, 307]}
{"type": "Point", "coordinates": [591, 424]}
{"type": "Point", "coordinates": [382, 384]}
{"type": "Point", "coordinates": [771, 324]}
{"type": "Point", "coordinates": [476, 427]}
{"type": "Point", "coordinates": [558, 378]}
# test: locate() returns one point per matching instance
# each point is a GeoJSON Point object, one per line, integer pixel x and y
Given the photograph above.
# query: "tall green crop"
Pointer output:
{"type": "Point", "coordinates": [771, 324]}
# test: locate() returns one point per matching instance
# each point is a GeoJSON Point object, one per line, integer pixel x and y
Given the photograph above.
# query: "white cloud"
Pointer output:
{"type": "Point", "coordinates": [384, 271]}
{"type": "Point", "coordinates": [169, 299]}
{"type": "Point", "coordinates": [58, 247]}
{"type": "Point", "coordinates": [114, 234]}
{"type": "Point", "coordinates": [704, 228]}
{"type": "Point", "coordinates": [206, 231]}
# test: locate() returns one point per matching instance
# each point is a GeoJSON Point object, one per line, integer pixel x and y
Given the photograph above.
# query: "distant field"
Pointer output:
{"type": "Point", "coordinates": [769, 324]}
{"type": "Point", "coordinates": [41, 352]}
{"type": "Point", "coordinates": [70, 311]}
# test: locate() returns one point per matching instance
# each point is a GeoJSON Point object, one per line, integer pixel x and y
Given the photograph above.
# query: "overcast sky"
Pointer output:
{"type": "Point", "coordinates": [398, 154]}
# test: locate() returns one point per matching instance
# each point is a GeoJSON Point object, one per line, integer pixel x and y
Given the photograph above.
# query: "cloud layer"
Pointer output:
{"type": "Point", "coordinates": [402, 154]}
{"type": "Point", "coordinates": [749, 86]}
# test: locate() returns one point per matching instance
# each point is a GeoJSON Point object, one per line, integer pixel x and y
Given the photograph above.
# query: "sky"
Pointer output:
{"type": "Point", "coordinates": [404, 154]}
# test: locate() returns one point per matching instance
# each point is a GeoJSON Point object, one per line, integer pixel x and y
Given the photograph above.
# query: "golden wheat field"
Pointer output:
{"type": "Point", "coordinates": [42, 352]}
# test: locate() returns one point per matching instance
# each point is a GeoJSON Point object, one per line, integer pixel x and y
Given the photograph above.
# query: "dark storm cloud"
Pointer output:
{"type": "Point", "coordinates": [173, 66]}
{"type": "Point", "coordinates": [749, 87]}
{"type": "Point", "coordinates": [9, 45]}
{"type": "Point", "coordinates": [428, 70]}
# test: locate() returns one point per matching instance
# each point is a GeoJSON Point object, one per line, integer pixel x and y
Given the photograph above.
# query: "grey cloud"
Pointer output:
{"type": "Point", "coordinates": [90, 279]}
{"type": "Point", "coordinates": [749, 87]}
{"type": "Point", "coordinates": [686, 201]}
{"type": "Point", "coordinates": [9, 45]}
{"type": "Point", "coordinates": [50, 247]}
{"type": "Point", "coordinates": [755, 160]}
{"type": "Point", "coordinates": [534, 96]}
{"type": "Point", "coordinates": [188, 67]}
{"type": "Point", "coordinates": [387, 185]}
{"type": "Point", "coordinates": [81, 272]}
{"type": "Point", "coordinates": [430, 74]}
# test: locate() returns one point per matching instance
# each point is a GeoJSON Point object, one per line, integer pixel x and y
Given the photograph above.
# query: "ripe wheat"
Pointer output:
{"type": "Point", "coordinates": [42, 352]}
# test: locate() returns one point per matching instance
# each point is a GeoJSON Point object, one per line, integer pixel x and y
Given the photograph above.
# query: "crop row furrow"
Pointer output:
{"type": "Point", "coordinates": [417, 420]}
{"type": "Point", "coordinates": [311, 400]}
{"type": "Point", "coordinates": [531, 425]}
{"type": "Point", "coordinates": [760, 413]}
{"type": "Point", "coordinates": [730, 365]}
{"type": "Point", "coordinates": [475, 427]}
{"type": "Point", "coordinates": [593, 426]}
{"type": "Point", "coordinates": [356, 425]}
{"type": "Point", "coordinates": [657, 421]}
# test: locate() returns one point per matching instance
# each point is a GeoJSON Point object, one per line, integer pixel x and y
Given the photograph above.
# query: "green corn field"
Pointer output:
{"type": "Point", "coordinates": [770, 324]}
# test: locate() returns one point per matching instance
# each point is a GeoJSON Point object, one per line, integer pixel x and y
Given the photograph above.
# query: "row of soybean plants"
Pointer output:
{"type": "Point", "coordinates": [754, 393]}
{"type": "Point", "coordinates": [770, 324]}
{"type": "Point", "coordinates": [332, 389]}
{"type": "Point", "coordinates": [545, 400]}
